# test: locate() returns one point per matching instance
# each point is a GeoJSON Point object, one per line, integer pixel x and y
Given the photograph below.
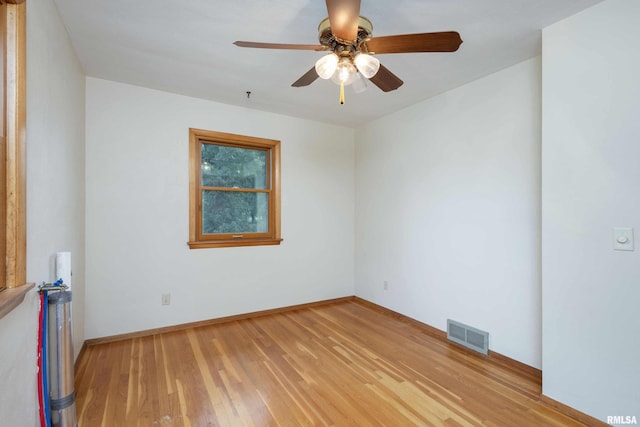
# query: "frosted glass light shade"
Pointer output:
{"type": "Point", "coordinates": [367, 64]}
{"type": "Point", "coordinates": [345, 72]}
{"type": "Point", "coordinates": [326, 66]}
{"type": "Point", "coordinates": [359, 83]}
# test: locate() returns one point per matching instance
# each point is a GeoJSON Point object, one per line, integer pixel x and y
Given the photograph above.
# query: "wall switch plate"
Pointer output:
{"type": "Point", "coordinates": [623, 239]}
{"type": "Point", "coordinates": [166, 299]}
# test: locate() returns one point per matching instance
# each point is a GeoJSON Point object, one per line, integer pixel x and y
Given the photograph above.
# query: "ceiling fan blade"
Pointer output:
{"type": "Point", "coordinates": [280, 46]}
{"type": "Point", "coordinates": [446, 41]}
{"type": "Point", "coordinates": [386, 80]}
{"type": "Point", "coordinates": [343, 18]}
{"type": "Point", "coordinates": [308, 78]}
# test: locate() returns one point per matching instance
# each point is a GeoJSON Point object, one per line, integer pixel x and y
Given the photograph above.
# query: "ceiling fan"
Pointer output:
{"type": "Point", "coordinates": [347, 35]}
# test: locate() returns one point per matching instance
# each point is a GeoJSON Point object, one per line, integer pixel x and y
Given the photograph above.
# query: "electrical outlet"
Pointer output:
{"type": "Point", "coordinates": [385, 285]}
{"type": "Point", "coordinates": [166, 299]}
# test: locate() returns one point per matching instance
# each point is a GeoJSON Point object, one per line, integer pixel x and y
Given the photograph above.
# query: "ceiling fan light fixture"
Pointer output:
{"type": "Point", "coordinates": [349, 37]}
{"type": "Point", "coordinates": [345, 72]}
{"type": "Point", "coordinates": [326, 66]}
{"type": "Point", "coordinates": [359, 84]}
{"type": "Point", "coordinates": [367, 65]}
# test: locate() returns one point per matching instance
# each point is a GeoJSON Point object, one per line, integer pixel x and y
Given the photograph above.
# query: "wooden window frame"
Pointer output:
{"type": "Point", "coordinates": [13, 151]}
{"type": "Point", "coordinates": [198, 240]}
{"type": "Point", "coordinates": [13, 247]}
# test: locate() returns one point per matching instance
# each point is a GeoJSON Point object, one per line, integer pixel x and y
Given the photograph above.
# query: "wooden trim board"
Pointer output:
{"type": "Point", "coordinates": [571, 412]}
{"type": "Point", "coordinates": [13, 297]}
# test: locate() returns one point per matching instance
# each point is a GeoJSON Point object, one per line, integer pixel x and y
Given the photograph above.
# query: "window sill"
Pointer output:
{"type": "Point", "coordinates": [232, 243]}
{"type": "Point", "coordinates": [12, 297]}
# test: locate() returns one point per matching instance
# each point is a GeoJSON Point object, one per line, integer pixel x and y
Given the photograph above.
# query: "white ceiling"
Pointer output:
{"type": "Point", "coordinates": [185, 47]}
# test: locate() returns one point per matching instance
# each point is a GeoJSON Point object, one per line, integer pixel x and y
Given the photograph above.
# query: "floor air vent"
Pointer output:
{"type": "Point", "coordinates": [468, 336]}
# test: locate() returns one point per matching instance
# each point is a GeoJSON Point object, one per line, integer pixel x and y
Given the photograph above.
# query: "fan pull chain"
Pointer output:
{"type": "Point", "coordinates": [341, 92]}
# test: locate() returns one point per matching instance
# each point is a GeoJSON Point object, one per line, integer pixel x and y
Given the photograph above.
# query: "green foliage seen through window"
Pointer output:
{"type": "Point", "coordinates": [231, 180]}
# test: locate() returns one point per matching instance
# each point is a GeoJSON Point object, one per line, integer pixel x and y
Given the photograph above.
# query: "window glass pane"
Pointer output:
{"type": "Point", "coordinates": [233, 167]}
{"type": "Point", "coordinates": [234, 212]}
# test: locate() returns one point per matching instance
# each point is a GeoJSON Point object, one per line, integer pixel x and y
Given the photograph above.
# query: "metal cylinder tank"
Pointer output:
{"type": "Point", "coordinates": [62, 395]}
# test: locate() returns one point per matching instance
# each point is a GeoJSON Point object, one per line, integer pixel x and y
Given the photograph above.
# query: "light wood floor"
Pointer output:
{"type": "Point", "coordinates": [341, 364]}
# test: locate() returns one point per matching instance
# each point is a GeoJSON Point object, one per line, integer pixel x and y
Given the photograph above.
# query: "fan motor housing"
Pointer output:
{"type": "Point", "coordinates": [326, 37]}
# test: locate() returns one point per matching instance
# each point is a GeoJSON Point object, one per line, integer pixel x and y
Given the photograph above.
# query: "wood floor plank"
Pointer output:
{"type": "Point", "coordinates": [341, 364]}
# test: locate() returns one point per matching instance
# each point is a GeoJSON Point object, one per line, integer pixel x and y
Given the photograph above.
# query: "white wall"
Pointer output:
{"type": "Point", "coordinates": [448, 210]}
{"type": "Point", "coordinates": [591, 177]}
{"type": "Point", "coordinates": [55, 200]}
{"type": "Point", "coordinates": [137, 214]}
{"type": "Point", "coordinates": [55, 154]}
{"type": "Point", "coordinates": [18, 364]}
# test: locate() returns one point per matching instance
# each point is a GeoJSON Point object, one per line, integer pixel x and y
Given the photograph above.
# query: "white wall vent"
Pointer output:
{"type": "Point", "coordinates": [468, 336]}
